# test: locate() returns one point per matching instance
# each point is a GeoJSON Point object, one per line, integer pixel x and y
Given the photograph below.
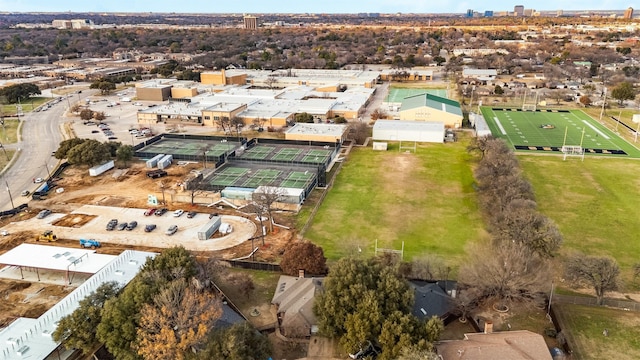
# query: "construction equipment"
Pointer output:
{"type": "Point", "coordinates": [47, 236]}
{"type": "Point", "coordinates": [89, 243]}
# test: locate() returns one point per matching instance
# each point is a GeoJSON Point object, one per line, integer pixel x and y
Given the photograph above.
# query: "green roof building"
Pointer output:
{"type": "Point", "coordinates": [431, 108]}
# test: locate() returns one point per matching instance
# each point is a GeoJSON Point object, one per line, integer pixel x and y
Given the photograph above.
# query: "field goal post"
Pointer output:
{"type": "Point", "coordinates": [572, 150]}
{"type": "Point", "coordinates": [532, 106]}
{"type": "Point", "coordinates": [408, 147]}
{"type": "Point", "coordinates": [390, 251]}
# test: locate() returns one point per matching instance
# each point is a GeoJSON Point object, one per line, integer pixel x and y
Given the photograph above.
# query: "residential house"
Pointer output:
{"type": "Point", "coordinates": [294, 299]}
{"type": "Point", "coordinates": [430, 299]}
{"type": "Point", "coordinates": [512, 345]}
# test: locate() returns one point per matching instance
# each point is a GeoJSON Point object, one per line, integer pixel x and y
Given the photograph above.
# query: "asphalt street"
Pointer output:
{"type": "Point", "coordinates": [40, 135]}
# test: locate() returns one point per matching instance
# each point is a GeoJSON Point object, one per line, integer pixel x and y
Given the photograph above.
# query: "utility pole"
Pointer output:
{"type": "Point", "coordinates": [9, 191]}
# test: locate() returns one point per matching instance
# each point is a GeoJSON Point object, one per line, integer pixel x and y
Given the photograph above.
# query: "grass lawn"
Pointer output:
{"type": "Point", "coordinates": [27, 106]}
{"type": "Point", "coordinates": [584, 326]}
{"type": "Point", "coordinates": [595, 203]}
{"type": "Point", "coordinates": [265, 285]}
{"type": "Point", "coordinates": [3, 158]}
{"type": "Point", "coordinates": [9, 131]}
{"type": "Point", "coordinates": [425, 199]}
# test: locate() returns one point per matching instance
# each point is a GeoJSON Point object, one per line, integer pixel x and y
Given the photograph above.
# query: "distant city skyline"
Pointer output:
{"type": "Point", "coordinates": [296, 6]}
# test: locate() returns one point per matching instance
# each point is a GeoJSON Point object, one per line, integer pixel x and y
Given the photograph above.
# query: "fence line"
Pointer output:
{"type": "Point", "coordinates": [591, 301]}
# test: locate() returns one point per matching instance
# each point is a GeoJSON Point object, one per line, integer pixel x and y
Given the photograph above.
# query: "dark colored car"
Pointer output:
{"type": "Point", "coordinates": [112, 224]}
{"type": "Point", "coordinates": [191, 214]}
{"type": "Point", "coordinates": [149, 228]}
{"type": "Point", "coordinates": [43, 214]}
{"type": "Point", "coordinates": [212, 215]}
{"type": "Point", "coordinates": [369, 350]}
{"type": "Point", "coordinates": [132, 225]}
{"type": "Point", "coordinates": [122, 226]}
{"type": "Point", "coordinates": [161, 211]}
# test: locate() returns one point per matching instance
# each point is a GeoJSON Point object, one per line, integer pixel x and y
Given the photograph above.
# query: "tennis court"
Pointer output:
{"type": "Point", "coordinates": [549, 130]}
{"type": "Point", "coordinates": [191, 148]}
{"type": "Point", "coordinates": [288, 153]}
{"type": "Point", "coordinates": [396, 95]}
{"type": "Point", "coordinates": [253, 175]}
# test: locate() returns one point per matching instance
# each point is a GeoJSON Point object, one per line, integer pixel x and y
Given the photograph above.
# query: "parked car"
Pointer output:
{"type": "Point", "coordinates": [38, 180]}
{"type": "Point", "coordinates": [4, 232]}
{"type": "Point", "coordinates": [369, 350]}
{"type": "Point", "coordinates": [161, 211]}
{"type": "Point", "coordinates": [149, 212]}
{"type": "Point", "coordinates": [132, 225]}
{"type": "Point", "coordinates": [212, 215]}
{"type": "Point", "coordinates": [43, 214]}
{"type": "Point", "coordinates": [191, 214]}
{"type": "Point", "coordinates": [25, 193]}
{"type": "Point", "coordinates": [172, 230]}
{"type": "Point", "coordinates": [122, 226]}
{"type": "Point", "coordinates": [112, 224]}
{"type": "Point", "coordinates": [150, 228]}
{"type": "Point", "coordinates": [178, 213]}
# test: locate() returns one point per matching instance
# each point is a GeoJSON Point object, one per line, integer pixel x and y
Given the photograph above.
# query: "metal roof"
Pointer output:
{"type": "Point", "coordinates": [431, 101]}
{"type": "Point", "coordinates": [31, 338]}
{"type": "Point", "coordinates": [56, 258]}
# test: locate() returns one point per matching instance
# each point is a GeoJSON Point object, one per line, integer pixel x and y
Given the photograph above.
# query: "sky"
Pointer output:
{"type": "Point", "coordinates": [301, 6]}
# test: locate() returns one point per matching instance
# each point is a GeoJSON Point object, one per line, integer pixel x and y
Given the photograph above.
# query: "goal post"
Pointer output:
{"type": "Point", "coordinates": [529, 107]}
{"type": "Point", "coordinates": [572, 150]}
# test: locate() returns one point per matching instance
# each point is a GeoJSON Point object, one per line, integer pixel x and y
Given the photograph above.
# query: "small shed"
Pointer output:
{"type": "Point", "coordinates": [286, 195]}
{"type": "Point", "coordinates": [153, 162]}
{"type": "Point", "coordinates": [237, 193]}
{"type": "Point", "coordinates": [398, 130]}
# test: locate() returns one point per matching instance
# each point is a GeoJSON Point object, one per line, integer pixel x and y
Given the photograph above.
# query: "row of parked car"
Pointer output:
{"type": "Point", "coordinates": [113, 224]}
{"type": "Point", "coordinates": [162, 211]}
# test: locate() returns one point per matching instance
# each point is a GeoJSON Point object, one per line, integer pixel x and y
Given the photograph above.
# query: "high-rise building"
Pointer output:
{"type": "Point", "coordinates": [628, 14]}
{"type": "Point", "coordinates": [250, 22]}
{"type": "Point", "coordinates": [518, 10]}
{"type": "Point", "coordinates": [528, 12]}
{"type": "Point", "coordinates": [469, 13]}
{"type": "Point", "coordinates": [488, 13]}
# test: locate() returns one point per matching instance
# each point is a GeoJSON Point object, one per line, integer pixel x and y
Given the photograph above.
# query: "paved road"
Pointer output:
{"type": "Point", "coordinates": [41, 135]}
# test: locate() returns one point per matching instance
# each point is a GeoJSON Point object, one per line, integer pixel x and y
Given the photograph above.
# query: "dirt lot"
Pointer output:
{"type": "Point", "coordinates": [89, 202]}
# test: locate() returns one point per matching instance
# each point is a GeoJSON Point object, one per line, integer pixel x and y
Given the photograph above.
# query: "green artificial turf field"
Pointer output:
{"type": "Point", "coordinates": [549, 130]}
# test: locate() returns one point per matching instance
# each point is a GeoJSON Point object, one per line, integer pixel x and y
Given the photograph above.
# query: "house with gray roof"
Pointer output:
{"type": "Point", "coordinates": [294, 299]}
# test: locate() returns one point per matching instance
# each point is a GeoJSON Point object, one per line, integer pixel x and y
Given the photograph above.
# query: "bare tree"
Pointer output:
{"type": "Point", "coordinates": [480, 144]}
{"type": "Point", "coordinates": [236, 123]}
{"type": "Point", "coordinates": [599, 272]}
{"type": "Point", "coordinates": [505, 271]}
{"type": "Point", "coordinates": [195, 186]}
{"type": "Point", "coordinates": [223, 123]}
{"type": "Point", "coordinates": [359, 132]}
{"type": "Point", "coordinates": [265, 201]}
{"type": "Point", "coordinates": [378, 114]}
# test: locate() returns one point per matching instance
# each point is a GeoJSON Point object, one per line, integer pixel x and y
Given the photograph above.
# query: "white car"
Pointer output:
{"type": "Point", "coordinates": [38, 180]}
{"type": "Point", "coordinates": [4, 232]}
{"type": "Point", "coordinates": [178, 213]}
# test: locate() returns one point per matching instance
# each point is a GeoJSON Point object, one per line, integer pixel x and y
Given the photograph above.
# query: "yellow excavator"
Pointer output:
{"type": "Point", "coordinates": [47, 236]}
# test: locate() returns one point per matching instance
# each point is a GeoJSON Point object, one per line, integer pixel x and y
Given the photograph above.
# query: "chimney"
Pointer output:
{"type": "Point", "coordinates": [301, 273]}
{"type": "Point", "coordinates": [488, 327]}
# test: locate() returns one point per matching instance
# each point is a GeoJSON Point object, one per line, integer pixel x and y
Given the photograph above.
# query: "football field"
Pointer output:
{"type": "Point", "coordinates": [549, 130]}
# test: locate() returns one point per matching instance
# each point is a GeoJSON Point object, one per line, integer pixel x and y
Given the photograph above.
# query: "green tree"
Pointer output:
{"type": "Point", "coordinates": [403, 331]}
{"type": "Point", "coordinates": [358, 296]}
{"type": "Point", "coordinates": [304, 256]}
{"type": "Point", "coordinates": [19, 92]}
{"type": "Point", "coordinates": [304, 118]}
{"type": "Point", "coordinates": [67, 145]}
{"type": "Point", "coordinates": [239, 342]}
{"type": "Point", "coordinates": [498, 90]}
{"type": "Point", "coordinates": [105, 86]}
{"type": "Point", "coordinates": [124, 154]}
{"type": "Point", "coordinates": [90, 152]}
{"type": "Point", "coordinates": [121, 315]}
{"type": "Point", "coordinates": [77, 330]}
{"type": "Point", "coordinates": [622, 92]}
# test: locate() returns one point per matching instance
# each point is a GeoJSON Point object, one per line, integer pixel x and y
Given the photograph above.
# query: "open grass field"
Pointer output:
{"type": "Point", "coordinates": [595, 203]}
{"type": "Point", "coordinates": [5, 156]}
{"type": "Point", "coordinates": [27, 106]}
{"type": "Point", "coordinates": [584, 326]}
{"type": "Point", "coordinates": [396, 94]}
{"type": "Point", "coordinates": [9, 131]}
{"type": "Point", "coordinates": [545, 131]}
{"type": "Point", "coordinates": [425, 199]}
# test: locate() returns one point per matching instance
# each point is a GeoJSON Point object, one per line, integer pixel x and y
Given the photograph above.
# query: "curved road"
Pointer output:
{"type": "Point", "coordinates": [40, 136]}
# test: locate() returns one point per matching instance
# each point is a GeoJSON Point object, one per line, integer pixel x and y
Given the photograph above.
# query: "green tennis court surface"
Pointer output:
{"type": "Point", "coordinates": [550, 130]}
{"type": "Point", "coordinates": [396, 95]}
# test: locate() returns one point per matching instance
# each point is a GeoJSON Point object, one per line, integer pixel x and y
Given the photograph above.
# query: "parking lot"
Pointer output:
{"type": "Point", "coordinates": [187, 234]}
